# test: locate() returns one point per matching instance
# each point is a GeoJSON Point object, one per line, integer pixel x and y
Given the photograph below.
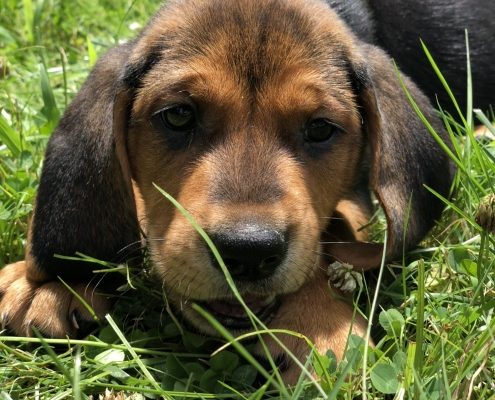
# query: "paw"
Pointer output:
{"type": "Point", "coordinates": [323, 318]}
{"type": "Point", "coordinates": [48, 306]}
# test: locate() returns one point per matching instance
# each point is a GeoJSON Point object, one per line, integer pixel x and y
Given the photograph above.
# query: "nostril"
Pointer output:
{"type": "Point", "coordinates": [235, 267]}
{"type": "Point", "coordinates": [270, 261]}
{"type": "Point", "coordinates": [269, 265]}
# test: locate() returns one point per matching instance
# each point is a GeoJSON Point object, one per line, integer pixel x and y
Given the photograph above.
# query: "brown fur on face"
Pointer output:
{"type": "Point", "coordinates": [254, 92]}
{"type": "Point", "coordinates": [256, 74]}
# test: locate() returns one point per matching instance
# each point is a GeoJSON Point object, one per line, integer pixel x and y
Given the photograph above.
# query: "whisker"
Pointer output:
{"type": "Point", "coordinates": [337, 242]}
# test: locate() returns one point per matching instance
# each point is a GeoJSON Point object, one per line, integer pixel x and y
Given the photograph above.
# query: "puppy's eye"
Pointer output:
{"type": "Point", "coordinates": [320, 130]}
{"type": "Point", "coordinates": [177, 124]}
{"type": "Point", "coordinates": [179, 118]}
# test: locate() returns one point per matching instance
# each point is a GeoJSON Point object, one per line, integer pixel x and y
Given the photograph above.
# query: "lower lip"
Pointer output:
{"type": "Point", "coordinates": [238, 319]}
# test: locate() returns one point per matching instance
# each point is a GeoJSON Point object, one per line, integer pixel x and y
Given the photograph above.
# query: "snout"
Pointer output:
{"type": "Point", "coordinates": [251, 251]}
{"type": "Point", "coordinates": [260, 215]}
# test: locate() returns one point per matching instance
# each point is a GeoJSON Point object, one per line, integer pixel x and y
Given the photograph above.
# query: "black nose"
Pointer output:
{"type": "Point", "coordinates": [250, 251]}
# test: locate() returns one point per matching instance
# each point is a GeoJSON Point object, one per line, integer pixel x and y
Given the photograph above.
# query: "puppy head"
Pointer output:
{"type": "Point", "coordinates": [247, 116]}
{"type": "Point", "coordinates": [256, 117]}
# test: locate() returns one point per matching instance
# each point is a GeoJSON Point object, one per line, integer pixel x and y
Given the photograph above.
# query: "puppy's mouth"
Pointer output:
{"type": "Point", "coordinates": [231, 314]}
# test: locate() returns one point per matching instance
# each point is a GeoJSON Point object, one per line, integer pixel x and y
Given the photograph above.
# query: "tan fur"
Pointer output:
{"type": "Point", "coordinates": [356, 216]}
{"type": "Point", "coordinates": [47, 306]}
{"type": "Point", "coordinates": [322, 315]}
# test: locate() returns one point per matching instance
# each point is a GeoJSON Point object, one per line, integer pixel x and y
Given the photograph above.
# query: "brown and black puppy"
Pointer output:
{"type": "Point", "coordinates": [264, 119]}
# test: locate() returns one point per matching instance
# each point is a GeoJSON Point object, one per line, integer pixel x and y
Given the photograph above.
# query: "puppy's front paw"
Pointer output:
{"type": "Point", "coordinates": [316, 313]}
{"type": "Point", "coordinates": [48, 306]}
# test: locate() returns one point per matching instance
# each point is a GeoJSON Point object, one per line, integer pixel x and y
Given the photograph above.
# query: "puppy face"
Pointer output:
{"type": "Point", "coordinates": [247, 116]}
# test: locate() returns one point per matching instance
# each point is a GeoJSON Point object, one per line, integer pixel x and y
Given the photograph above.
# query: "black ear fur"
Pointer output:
{"type": "Point", "coordinates": [84, 202]}
{"type": "Point", "coordinates": [404, 159]}
{"type": "Point", "coordinates": [404, 156]}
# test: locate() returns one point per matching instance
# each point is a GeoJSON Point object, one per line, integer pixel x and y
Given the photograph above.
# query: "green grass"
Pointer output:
{"type": "Point", "coordinates": [434, 334]}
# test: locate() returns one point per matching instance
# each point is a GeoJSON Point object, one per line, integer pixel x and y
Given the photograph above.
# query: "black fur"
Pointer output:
{"type": "Point", "coordinates": [83, 204]}
{"type": "Point", "coordinates": [405, 159]}
{"type": "Point", "coordinates": [441, 24]}
{"type": "Point", "coordinates": [134, 73]}
{"type": "Point", "coordinates": [357, 15]}
{"type": "Point", "coordinates": [398, 25]}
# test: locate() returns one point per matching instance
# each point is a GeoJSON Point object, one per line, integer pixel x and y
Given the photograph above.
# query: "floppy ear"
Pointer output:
{"type": "Point", "coordinates": [404, 158]}
{"type": "Point", "coordinates": [84, 202]}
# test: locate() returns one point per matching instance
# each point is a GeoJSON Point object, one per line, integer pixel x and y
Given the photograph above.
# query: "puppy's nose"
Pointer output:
{"type": "Point", "coordinates": [250, 251]}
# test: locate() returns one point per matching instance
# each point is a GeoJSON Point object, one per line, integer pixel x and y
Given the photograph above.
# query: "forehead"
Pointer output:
{"type": "Point", "coordinates": [243, 48]}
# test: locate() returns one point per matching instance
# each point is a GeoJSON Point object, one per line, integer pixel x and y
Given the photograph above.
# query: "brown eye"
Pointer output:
{"type": "Point", "coordinates": [320, 130]}
{"type": "Point", "coordinates": [177, 124]}
{"type": "Point", "coordinates": [179, 118]}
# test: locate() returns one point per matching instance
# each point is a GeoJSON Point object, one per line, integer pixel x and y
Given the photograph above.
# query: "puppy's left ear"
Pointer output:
{"type": "Point", "coordinates": [405, 158]}
{"type": "Point", "coordinates": [85, 199]}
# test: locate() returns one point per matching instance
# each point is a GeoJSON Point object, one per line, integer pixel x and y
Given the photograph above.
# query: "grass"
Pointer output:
{"type": "Point", "coordinates": [434, 331]}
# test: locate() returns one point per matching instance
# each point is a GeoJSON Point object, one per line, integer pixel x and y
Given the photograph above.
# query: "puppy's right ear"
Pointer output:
{"type": "Point", "coordinates": [405, 160]}
{"type": "Point", "coordinates": [85, 202]}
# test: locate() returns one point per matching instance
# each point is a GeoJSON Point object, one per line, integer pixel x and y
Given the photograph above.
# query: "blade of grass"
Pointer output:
{"type": "Point", "coordinates": [374, 305]}
{"type": "Point", "coordinates": [134, 355]}
{"type": "Point", "coordinates": [81, 300]}
{"type": "Point", "coordinates": [10, 137]}
{"type": "Point", "coordinates": [63, 61]}
{"type": "Point", "coordinates": [476, 352]}
{"type": "Point", "coordinates": [469, 94]}
{"type": "Point", "coordinates": [465, 215]}
{"type": "Point", "coordinates": [50, 110]}
{"type": "Point", "coordinates": [76, 376]}
{"type": "Point", "coordinates": [420, 300]}
{"type": "Point", "coordinates": [240, 348]}
{"type": "Point", "coordinates": [334, 393]}
{"type": "Point", "coordinates": [59, 396]}
{"type": "Point", "coordinates": [83, 257]}
{"type": "Point", "coordinates": [260, 393]}
{"type": "Point", "coordinates": [159, 392]}
{"type": "Point", "coordinates": [92, 56]}
{"type": "Point", "coordinates": [97, 344]}
{"type": "Point", "coordinates": [28, 19]}
{"type": "Point", "coordinates": [127, 12]}
{"type": "Point", "coordinates": [24, 356]}
{"type": "Point", "coordinates": [254, 319]}
{"type": "Point", "coordinates": [448, 122]}
{"type": "Point", "coordinates": [248, 335]}
{"type": "Point", "coordinates": [484, 120]}
{"type": "Point", "coordinates": [435, 135]}
{"type": "Point", "coordinates": [446, 389]}
{"type": "Point", "coordinates": [409, 368]}
{"type": "Point", "coordinates": [234, 391]}
{"type": "Point", "coordinates": [37, 18]}
{"type": "Point", "coordinates": [298, 389]}
{"type": "Point", "coordinates": [61, 367]}
{"type": "Point", "coordinates": [6, 36]}
{"type": "Point", "coordinates": [444, 82]}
